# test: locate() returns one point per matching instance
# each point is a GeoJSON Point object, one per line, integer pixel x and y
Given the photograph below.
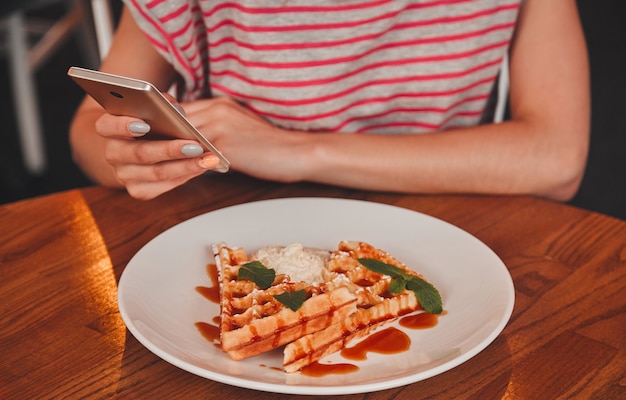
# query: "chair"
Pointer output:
{"type": "Point", "coordinates": [25, 58]}
{"type": "Point", "coordinates": [503, 91]}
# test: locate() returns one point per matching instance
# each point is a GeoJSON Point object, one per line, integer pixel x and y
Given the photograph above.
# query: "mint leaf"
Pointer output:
{"type": "Point", "coordinates": [397, 285]}
{"type": "Point", "coordinates": [258, 273]}
{"type": "Point", "coordinates": [382, 268]}
{"type": "Point", "coordinates": [293, 300]}
{"type": "Point", "coordinates": [426, 294]}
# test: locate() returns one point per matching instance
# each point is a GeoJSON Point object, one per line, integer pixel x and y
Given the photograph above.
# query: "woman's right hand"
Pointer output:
{"type": "Point", "coordinates": [108, 148]}
{"type": "Point", "coordinates": [148, 168]}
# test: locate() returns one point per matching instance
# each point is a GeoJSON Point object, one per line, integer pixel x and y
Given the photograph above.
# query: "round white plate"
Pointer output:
{"type": "Point", "coordinates": [160, 305]}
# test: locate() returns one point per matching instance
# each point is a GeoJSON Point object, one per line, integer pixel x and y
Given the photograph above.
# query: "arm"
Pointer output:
{"type": "Point", "coordinates": [542, 150]}
{"type": "Point", "coordinates": [131, 55]}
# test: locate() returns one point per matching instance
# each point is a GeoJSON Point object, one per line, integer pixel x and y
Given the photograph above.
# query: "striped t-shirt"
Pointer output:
{"type": "Point", "coordinates": [379, 66]}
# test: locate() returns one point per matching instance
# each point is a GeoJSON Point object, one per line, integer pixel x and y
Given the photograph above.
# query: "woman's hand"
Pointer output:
{"type": "Point", "coordinates": [106, 147]}
{"type": "Point", "coordinates": [148, 168]}
{"type": "Point", "coordinates": [251, 144]}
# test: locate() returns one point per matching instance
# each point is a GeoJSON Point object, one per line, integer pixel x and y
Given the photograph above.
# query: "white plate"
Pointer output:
{"type": "Point", "coordinates": [160, 305]}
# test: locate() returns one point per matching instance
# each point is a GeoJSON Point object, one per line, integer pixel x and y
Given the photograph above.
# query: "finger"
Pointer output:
{"type": "Point", "coordinates": [109, 125]}
{"type": "Point", "coordinates": [150, 190]}
{"type": "Point", "coordinates": [146, 152]}
{"type": "Point", "coordinates": [174, 102]}
{"type": "Point", "coordinates": [178, 171]}
{"type": "Point", "coordinates": [147, 182]}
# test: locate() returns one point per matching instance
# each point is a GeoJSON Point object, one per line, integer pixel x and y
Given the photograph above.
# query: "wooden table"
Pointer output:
{"type": "Point", "coordinates": [62, 255]}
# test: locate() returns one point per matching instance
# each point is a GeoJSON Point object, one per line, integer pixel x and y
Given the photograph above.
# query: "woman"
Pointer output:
{"type": "Point", "coordinates": [384, 95]}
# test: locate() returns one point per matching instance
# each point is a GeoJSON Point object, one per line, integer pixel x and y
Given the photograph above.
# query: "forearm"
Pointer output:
{"type": "Point", "coordinates": [509, 158]}
{"type": "Point", "coordinates": [130, 55]}
{"type": "Point", "coordinates": [541, 151]}
{"type": "Point", "coordinates": [87, 146]}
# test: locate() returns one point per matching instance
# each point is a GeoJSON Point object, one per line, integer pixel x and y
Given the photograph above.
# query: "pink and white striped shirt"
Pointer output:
{"type": "Point", "coordinates": [377, 66]}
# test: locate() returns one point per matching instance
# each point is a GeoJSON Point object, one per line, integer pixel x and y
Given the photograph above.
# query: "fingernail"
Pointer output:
{"type": "Point", "coordinates": [209, 161]}
{"type": "Point", "coordinates": [192, 150]}
{"type": "Point", "coordinates": [138, 128]}
{"type": "Point", "coordinates": [179, 108]}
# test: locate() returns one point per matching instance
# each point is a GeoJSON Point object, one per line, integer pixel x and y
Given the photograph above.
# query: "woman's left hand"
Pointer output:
{"type": "Point", "coordinates": [251, 144]}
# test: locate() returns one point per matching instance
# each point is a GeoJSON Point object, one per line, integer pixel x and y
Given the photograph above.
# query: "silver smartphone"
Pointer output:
{"type": "Point", "coordinates": [125, 96]}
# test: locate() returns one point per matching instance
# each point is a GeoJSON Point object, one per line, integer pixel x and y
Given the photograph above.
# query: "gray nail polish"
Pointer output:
{"type": "Point", "coordinates": [179, 108]}
{"type": "Point", "coordinates": [191, 150]}
{"type": "Point", "coordinates": [138, 128]}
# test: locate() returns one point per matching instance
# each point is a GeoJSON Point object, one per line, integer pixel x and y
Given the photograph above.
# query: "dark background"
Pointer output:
{"type": "Point", "coordinates": [603, 189]}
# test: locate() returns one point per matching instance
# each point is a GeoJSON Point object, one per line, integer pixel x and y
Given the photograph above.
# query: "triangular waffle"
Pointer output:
{"type": "Point", "coordinates": [253, 321]}
{"type": "Point", "coordinates": [375, 305]}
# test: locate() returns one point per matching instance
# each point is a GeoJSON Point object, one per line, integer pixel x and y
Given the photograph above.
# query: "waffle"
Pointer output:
{"type": "Point", "coordinates": [350, 303]}
{"type": "Point", "coordinates": [253, 321]}
{"type": "Point", "coordinates": [375, 305]}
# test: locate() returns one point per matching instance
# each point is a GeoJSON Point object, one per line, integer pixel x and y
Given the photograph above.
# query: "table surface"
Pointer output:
{"type": "Point", "coordinates": [61, 257]}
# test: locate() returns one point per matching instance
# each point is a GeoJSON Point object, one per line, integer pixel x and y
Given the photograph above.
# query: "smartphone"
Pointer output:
{"type": "Point", "coordinates": [125, 96]}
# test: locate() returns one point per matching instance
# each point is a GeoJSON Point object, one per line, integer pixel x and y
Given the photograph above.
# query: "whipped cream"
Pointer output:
{"type": "Point", "coordinates": [298, 262]}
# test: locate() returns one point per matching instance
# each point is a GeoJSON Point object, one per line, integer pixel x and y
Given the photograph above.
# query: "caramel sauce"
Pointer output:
{"type": "Point", "coordinates": [364, 283]}
{"type": "Point", "coordinates": [387, 341]}
{"type": "Point", "coordinates": [317, 370]}
{"type": "Point", "coordinates": [208, 331]}
{"type": "Point", "coordinates": [211, 293]}
{"type": "Point", "coordinates": [272, 368]}
{"type": "Point", "coordinates": [419, 321]}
